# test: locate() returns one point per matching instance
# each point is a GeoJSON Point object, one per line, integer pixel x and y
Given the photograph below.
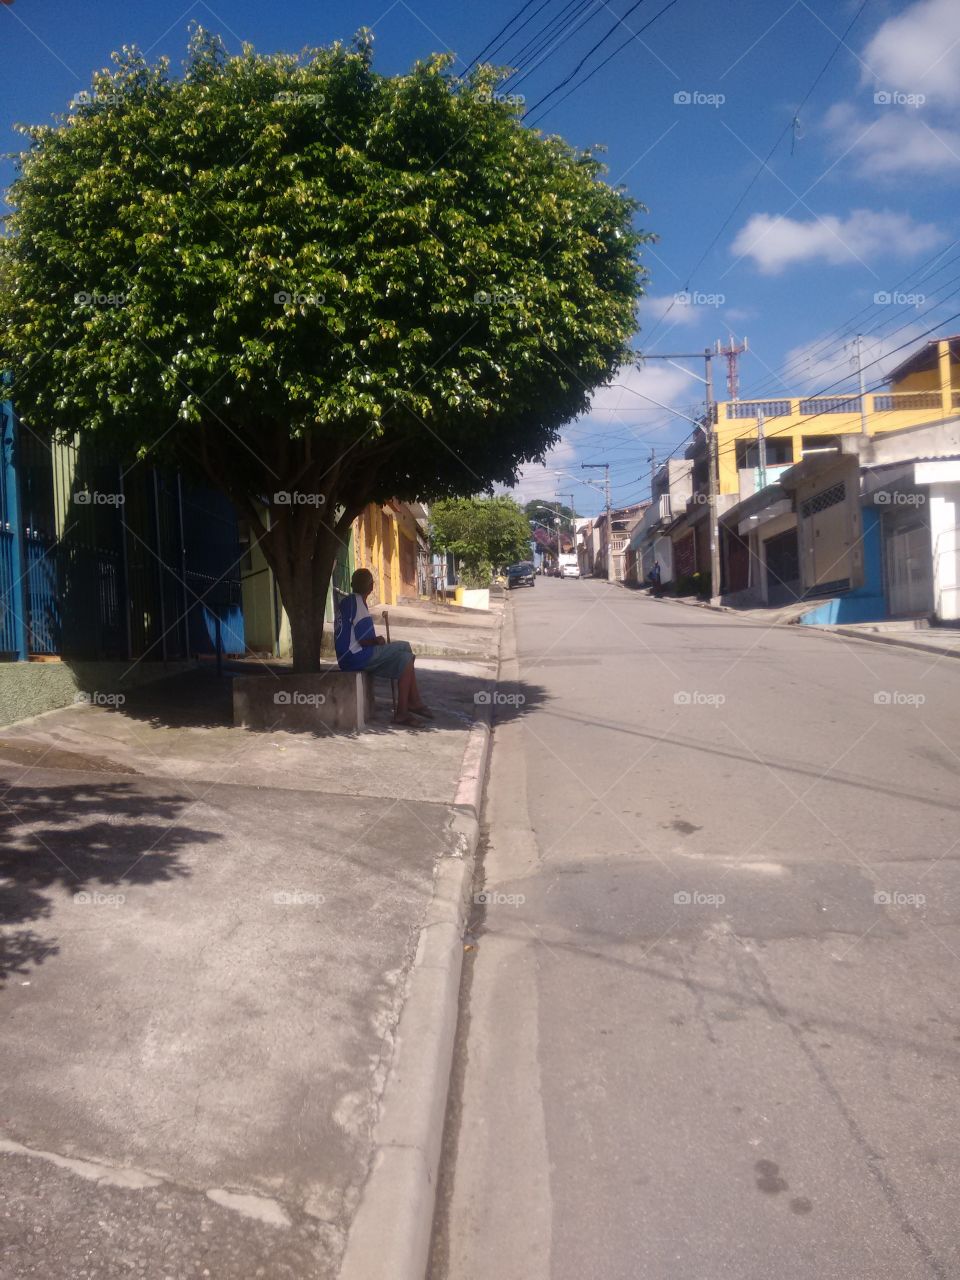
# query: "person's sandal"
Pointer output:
{"type": "Point", "coordinates": [422, 710]}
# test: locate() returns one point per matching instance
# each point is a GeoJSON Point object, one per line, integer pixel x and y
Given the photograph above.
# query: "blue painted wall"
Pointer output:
{"type": "Point", "coordinates": [869, 602]}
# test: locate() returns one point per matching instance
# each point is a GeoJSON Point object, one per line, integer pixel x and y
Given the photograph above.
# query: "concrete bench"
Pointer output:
{"type": "Point", "coordinates": [331, 699]}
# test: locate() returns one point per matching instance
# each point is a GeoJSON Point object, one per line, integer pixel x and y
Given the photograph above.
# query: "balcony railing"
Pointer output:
{"type": "Point", "coordinates": [816, 406]}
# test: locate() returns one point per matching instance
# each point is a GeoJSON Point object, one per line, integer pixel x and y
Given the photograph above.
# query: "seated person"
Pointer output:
{"type": "Point", "coordinates": [359, 648]}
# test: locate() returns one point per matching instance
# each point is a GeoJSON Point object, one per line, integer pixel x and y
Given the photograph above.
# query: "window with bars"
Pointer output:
{"type": "Point", "coordinates": [826, 498]}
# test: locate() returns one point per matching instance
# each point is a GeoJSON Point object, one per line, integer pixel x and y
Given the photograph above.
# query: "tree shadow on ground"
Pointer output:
{"type": "Point", "coordinates": [82, 838]}
{"type": "Point", "coordinates": [200, 699]}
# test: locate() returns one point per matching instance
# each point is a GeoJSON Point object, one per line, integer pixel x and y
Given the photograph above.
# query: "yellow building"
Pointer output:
{"type": "Point", "coordinates": [924, 386]}
{"type": "Point", "coordinates": [388, 541]}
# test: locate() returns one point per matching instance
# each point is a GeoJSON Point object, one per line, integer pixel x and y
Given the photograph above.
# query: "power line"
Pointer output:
{"type": "Point", "coordinates": [589, 54]}
{"type": "Point", "coordinates": [608, 58]}
{"type": "Point", "coordinates": [492, 42]}
{"type": "Point", "coordinates": [841, 40]}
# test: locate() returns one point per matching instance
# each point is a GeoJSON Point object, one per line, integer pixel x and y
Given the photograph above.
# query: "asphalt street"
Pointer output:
{"type": "Point", "coordinates": [710, 1025]}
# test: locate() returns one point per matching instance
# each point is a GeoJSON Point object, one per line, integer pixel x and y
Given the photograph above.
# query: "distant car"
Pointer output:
{"type": "Point", "coordinates": [522, 574]}
{"type": "Point", "coordinates": [569, 567]}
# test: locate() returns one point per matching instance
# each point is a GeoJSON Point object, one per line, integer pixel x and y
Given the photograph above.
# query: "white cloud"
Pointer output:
{"type": "Point", "coordinates": [649, 388]}
{"type": "Point", "coordinates": [678, 306]}
{"type": "Point", "coordinates": [775, 243]}
{"type": "Point", "coordinates": [825, 363]}
{"type": "Point", "coordinates": [918, 52]}
{"type": "Point", "coordinates": [539, 480]}
{"type": "Point", "coordinates": [892, 141]}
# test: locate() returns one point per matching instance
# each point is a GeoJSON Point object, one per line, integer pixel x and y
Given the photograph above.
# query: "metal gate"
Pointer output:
{"type": "Point", "coordinates": [909, 570]}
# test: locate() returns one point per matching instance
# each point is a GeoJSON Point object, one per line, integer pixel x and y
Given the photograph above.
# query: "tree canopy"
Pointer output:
{"type": "Point", "coordinates": [314, 284]}
{"type": "Point", "coordinates": [481, 532]}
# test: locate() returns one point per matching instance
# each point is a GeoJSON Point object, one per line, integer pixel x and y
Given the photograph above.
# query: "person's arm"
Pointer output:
{"type": "Point", "coordinates": [365, 635]}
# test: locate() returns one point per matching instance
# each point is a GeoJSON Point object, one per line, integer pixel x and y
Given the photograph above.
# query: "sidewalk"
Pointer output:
{"type": "Point", "coordinates": [211, 939]}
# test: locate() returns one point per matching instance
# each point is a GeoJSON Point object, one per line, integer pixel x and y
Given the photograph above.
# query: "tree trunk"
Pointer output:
{"type": "Point", "coordinates": [303, 561]}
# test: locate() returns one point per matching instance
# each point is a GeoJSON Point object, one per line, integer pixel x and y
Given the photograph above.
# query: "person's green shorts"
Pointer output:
{"type": "Point", "coordinates": [390, 660]}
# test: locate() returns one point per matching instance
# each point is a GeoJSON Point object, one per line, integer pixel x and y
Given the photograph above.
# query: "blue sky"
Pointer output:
{"type": "Point", "coordinates": [849, 227]}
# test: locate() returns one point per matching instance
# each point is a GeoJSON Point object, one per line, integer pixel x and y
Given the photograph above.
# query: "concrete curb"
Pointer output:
{"type": "Point", "coordinates": [879, 637]}
{"type": "Point", "coordinates": [392, 1227]}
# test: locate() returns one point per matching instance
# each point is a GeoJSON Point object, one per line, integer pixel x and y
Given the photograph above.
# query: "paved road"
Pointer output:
{"type": "Point", "coordinates": [711, 1025]}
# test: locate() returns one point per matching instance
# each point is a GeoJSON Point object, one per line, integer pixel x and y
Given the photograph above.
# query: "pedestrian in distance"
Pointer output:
{"type": "Point", "coordinates": [359, 648]}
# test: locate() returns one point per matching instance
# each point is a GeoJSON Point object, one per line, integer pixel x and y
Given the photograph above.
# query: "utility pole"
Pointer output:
{"type": "Point", "coordinates": [714, 480]}
{"type": "Point", "coordinates": [761, 454]}
{"type": "Point", "coordinates": [605, 466]}
{"type": "Point", "coordinates": [863, 398]}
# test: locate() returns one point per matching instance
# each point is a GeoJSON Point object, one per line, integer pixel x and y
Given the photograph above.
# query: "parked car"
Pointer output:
{"type": "Point", "coordinates": [569, 566]}
{"type": "Point", "coordinates": [522, 574]}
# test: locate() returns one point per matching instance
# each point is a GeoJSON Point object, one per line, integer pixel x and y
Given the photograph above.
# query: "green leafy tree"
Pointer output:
{"type": "Point", "coordinates": [315, 285]}
{"type": "Point", "coordinates": [482, 533]}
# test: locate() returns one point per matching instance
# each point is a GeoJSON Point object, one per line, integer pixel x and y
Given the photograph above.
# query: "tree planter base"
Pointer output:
{"type": "Point", "coordinates": [326, 701]}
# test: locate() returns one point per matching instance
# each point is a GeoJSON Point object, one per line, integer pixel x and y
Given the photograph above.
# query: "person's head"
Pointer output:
{"type": "Point", "coordinates": [362, 582]}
